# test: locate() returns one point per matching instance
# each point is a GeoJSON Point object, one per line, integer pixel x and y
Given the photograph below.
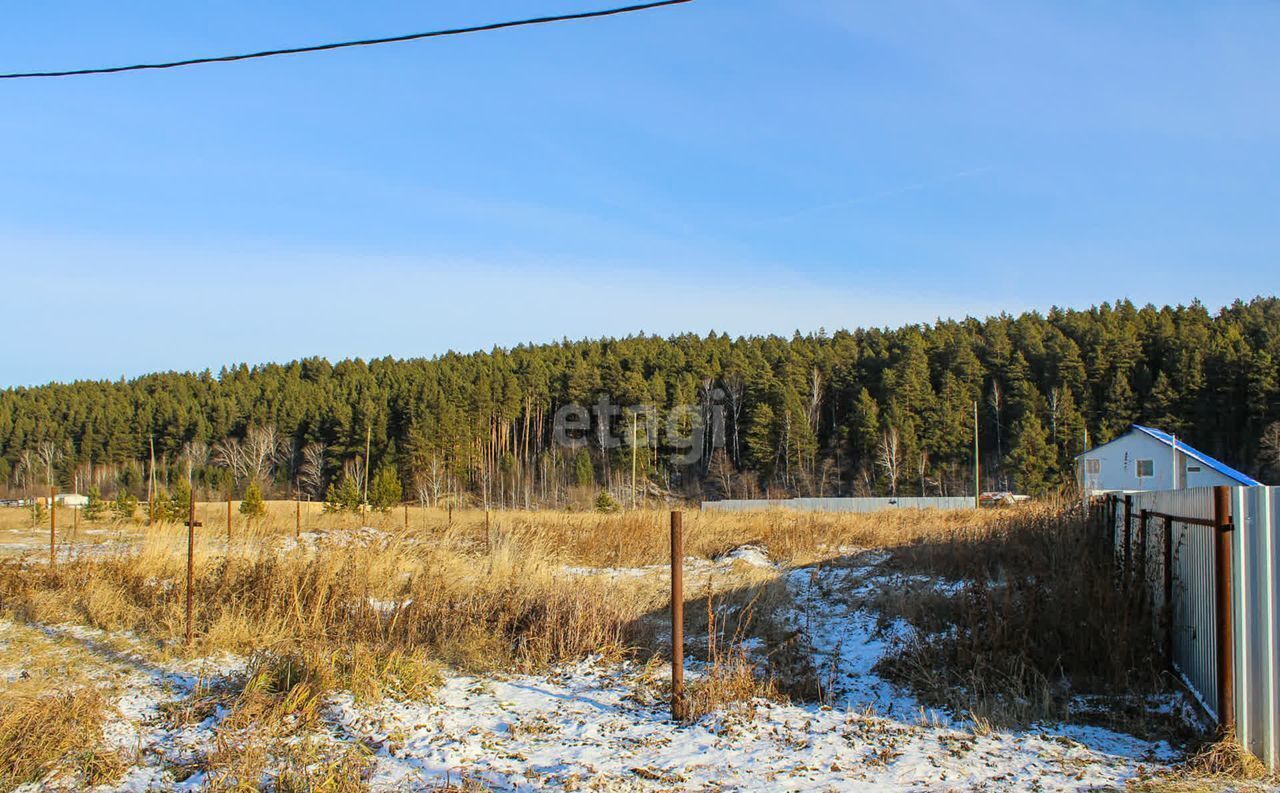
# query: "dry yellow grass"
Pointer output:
{"type": "Point", "coordinates": [377, 604]}
{"type": "Point", "coordinates": [627, 538]}
{"type": "Point", "coordinates": [470, 589]}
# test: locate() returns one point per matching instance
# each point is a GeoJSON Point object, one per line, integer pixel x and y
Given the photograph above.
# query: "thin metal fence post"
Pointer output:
{"type": "Point", "coordinates": [678, 711]}
{"type": "Point", "coordinates": [1168, 590]}
{"type": "Point", "coordinates": [228, 519]}
{"type": "Point", "coordinates": [1143, 517]}
{"type": "Point", "coordinates": [1225, 633]}
{"type": "Point", "coordinates": [1128, 539]}
{"type": "Point", "coordinates": [191, 537]}
{"type": "Point", "coordinates": [297, 517]}
{"type": "Point", "coordinates": [53, 521]}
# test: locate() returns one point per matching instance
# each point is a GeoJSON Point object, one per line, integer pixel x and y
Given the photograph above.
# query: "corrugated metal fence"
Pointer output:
{"type": "Point", "coordinates": [840, 504]}
{"type": "Point", "coordinates": [1181, 545]}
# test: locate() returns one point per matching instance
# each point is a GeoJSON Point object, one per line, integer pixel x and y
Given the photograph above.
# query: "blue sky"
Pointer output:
{"type": "Point", "coordinates": [750, 166]}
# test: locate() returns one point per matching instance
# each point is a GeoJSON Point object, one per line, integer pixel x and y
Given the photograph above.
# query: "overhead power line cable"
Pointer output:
{"type": "Point", "coordinates": [345, 44]}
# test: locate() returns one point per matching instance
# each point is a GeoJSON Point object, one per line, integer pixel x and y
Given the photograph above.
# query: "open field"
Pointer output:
{"type": "Point", "coordinates": [903, 650]}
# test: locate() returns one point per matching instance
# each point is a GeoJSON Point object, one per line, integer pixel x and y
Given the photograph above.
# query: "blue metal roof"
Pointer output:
{"type": "Point", "coordinates": [1205, 459]}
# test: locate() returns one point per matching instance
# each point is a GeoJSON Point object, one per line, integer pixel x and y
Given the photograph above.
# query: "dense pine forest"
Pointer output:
{"type": "Point", "coordinates": [871, 411]}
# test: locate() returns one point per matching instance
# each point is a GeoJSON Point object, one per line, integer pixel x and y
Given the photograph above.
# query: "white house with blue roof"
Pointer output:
{"type": "Point", "coordinates": [1149, 459]}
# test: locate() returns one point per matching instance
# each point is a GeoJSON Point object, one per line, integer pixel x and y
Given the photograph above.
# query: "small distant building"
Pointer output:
{"type": "Point", "coordinates": [73, 500]}
{"type": "Point", "coordinates": [1149, 459]}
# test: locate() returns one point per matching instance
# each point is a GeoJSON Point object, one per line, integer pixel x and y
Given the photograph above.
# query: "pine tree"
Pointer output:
{"type": "Point", "coordinates": [125, 505]}
{"type": "Point", "coordinates": [252, 506]}
{"type": "Point", "coordinates": [177, 504]}
{"type": "Point", "coordinates": [385, 491]}
{"type": "Point", "coordinates": [1032, 456]}
{"type": "Point", "coordinates": [583, 473]}
{"type": "Point", "coordinates": [606, 502]}
{"type": "Point", "coordinates": [94, 508]}
{"type": "Point", "coordinates": [342, 495]}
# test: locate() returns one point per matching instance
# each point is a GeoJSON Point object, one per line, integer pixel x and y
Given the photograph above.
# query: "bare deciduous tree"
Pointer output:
{"type": "Point", "coordinates": [721, 471]}
{"type": "Point", "coordinates": [262, 449]}
{"type": "Point", "coordinates": [229, 454]}
{"type": "Point", "coordinates": [734, 388]}
{"type": "Point", "coordinates": [431, 483]}
{"type": "Point", "coordinates": [311, 471]}
{"type": "Point", "coordinates": [27, 469]}
{"type": "Point", "coordinates": [889, 457]}
{"type": "Point", "coordinates": [49, 455]}
{"type": "Point", "coordinates": [354, 469]}
{"type": "Point", "coordinates": [194, 454]}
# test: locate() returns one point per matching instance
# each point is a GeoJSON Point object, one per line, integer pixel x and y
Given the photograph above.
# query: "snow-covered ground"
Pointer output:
{"type": "Point", "coordinates": [596, 727]}
{"type": "Point", "coordinates": [602, 726]}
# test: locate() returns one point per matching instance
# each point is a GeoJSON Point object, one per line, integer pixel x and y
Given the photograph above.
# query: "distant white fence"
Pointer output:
{"type": "Point", "coordinates": [1182, 545]}
{"type": "Point", "coordinates": [840, 504]}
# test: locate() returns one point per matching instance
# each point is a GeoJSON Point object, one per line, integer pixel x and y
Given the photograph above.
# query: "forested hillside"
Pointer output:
{"type": "Point", "coordinates": [864, 411]}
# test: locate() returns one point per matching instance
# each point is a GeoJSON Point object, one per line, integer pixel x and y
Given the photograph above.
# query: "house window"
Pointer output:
{"type": "Point", "coordinates": [1093, 467]}
{"type": "Point", "coordinates": [1146, 468]}
{"type": "Point", "coordinates": [1193, 469]}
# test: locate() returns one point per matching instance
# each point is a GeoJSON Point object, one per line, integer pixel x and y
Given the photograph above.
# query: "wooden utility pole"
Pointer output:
{"type": "Point", "coordinates": [368, 439]}
{"type": "Point", "coordinates": [53, 523]}
{"type": "Point", "coordinates": [192, 523]}
{"type": "Point", "coordinates": [677, 616]}
{"type": "Point", "coordinates": [633, 460]}
{"type": "Point", "coordinates": [977, 479]}
{"type": "Point", "coordinates": [151, 481]}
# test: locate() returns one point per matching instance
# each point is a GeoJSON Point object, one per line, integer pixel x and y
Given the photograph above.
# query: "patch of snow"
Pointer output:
{"type": "Point", "coordinates": [753, 555]}
{"type": "Point", "coordinates": [591, 726]}
{"type": "Point", "coordinates": [845, 639]}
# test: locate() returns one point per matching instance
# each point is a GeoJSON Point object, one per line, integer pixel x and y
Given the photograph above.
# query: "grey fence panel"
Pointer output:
{"type": "Point", "coordinates": [1255, 600]}
{"type": "Point", "coordinates": [839, 504]}
{"type": "Point", "coordinates": [1194, 613]}
{"type": "Point", "coordinates": [1254, 564]}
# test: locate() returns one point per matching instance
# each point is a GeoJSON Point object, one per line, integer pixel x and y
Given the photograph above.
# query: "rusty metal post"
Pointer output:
{"type": "Point", "coordinates": [191, 537]}
{"type": "Point", "coordinates": [406, 515]}
{"type": "Point", "coordinates": [1143, 517]}
{"type": "Point", "coordinates": [1128, 538]}
{"type": "Point", "coordinates": [297, 517]}
{"type": "Point", "coordinates": [53, 530]}
{"type": "Point", "coordinates": [677, 616]}
{"type": "Point", "coordinates": [228, 520]}
{"type": "Point", "coordinates": [1168, 589]}
{"type": "Point", "coordinates": [1225, 615]}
